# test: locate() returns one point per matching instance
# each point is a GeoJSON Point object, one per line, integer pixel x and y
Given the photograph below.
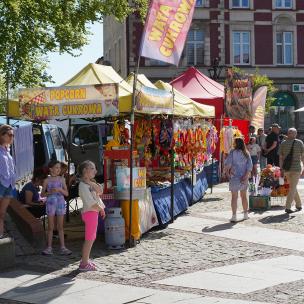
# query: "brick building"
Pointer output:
{"type": "Point", "coordinates": [250, 34]}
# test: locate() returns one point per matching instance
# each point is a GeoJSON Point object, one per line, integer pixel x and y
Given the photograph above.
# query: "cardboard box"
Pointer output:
{"type": "Point", "coordinates": [259, 202]}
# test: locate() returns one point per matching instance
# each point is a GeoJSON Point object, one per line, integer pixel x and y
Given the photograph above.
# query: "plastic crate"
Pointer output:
{"type": "Point", "coordinates": [259, 202]}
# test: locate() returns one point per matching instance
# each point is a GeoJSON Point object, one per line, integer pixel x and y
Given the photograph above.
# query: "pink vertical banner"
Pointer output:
{"type": "Point", "coordinates": [166, 29]}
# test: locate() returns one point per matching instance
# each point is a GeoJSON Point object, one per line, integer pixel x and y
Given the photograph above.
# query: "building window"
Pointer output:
{"type": "Point", "coordinates": [241, 47]}
{"type": "Point", "coordinates": [195, 47]}
{"type": "Point", "coordinates": [240, 3]}
{"type": "Point", "coordinates": [284, 47]}
{"type": "Point", "coordinates": [283, 3]}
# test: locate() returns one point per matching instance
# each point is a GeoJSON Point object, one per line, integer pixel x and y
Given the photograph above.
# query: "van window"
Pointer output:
{"type": "Point", "coordinates": [56, 138]}
{"type": "Point", "coordinates": [50, 145]}
{"type": "Point", "coordinates": [86, 135]}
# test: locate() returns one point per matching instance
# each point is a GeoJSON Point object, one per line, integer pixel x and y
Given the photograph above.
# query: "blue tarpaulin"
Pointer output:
{"type": "Point", "coordinates": [182, 197]}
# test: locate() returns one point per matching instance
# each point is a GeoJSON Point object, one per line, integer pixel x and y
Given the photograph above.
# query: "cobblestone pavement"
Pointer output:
{"type": "Point", "coordinates": [168, 252]}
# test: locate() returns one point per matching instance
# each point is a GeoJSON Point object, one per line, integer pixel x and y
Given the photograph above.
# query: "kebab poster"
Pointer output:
{"type": "Point", "coordinates": [238, 95]}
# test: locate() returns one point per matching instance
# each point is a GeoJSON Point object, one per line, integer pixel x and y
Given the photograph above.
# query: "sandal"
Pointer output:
{"type": "Point", "coordinates": [87, 267]}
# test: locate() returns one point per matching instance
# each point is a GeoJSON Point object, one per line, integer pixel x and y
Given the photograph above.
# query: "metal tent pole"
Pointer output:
{"type": "Point", "coordinates": [172, 176]}
{"type": "Point", "coordinates": [132, 242]}
{"type": "Point", "coordinates": [67, 216]}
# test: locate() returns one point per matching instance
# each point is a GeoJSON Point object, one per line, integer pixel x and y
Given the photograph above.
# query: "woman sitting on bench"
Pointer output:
{"type": "Point", "coordinates": [30, 194]}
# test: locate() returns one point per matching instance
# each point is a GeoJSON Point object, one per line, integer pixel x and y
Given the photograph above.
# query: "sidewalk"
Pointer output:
{"type": "Point", "coordinates": [200, 258]}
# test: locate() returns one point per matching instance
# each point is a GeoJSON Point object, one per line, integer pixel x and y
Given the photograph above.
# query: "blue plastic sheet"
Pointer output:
{"type": "Point", "coordinates": [182, 197]}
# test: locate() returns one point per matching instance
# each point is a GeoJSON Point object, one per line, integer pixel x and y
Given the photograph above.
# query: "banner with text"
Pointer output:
{"type": "Point", "coordinates": [88, 101]}
{"type": "Point", "coordinates": [153, 101]}
{"type": "Point", "coordinates": [258, 107]}
{"type": "Point", "coordinates": [123, 178]}
{"type": "Point", "coordinates": [166, 29]}
{"type": "Point", "coordinates": [238, 96]}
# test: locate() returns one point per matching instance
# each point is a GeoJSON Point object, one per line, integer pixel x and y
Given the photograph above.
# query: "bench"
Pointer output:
{"type": "Point", "coordinates": [30, 227]}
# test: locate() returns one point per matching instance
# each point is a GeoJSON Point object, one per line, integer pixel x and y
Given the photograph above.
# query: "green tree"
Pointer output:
{"type": "Point", "coordinates": [263, 80]}
{"type": "Point", "coordinates": [260, 80]}
{"type": "Point", "coordinates": [2, 95]}
{"type": "Point", "coordinates": [30, 29]}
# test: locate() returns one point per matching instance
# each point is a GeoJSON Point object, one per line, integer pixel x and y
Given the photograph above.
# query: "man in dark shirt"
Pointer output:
{"type": "Point", "coordinates": [252, 131]}
{"type": "Point", "coordinates": [272, 145]}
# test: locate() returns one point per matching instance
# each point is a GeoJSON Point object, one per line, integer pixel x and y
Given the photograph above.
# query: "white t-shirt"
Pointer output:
{"type": "Point", "coordinates": [89, 197]}
{"type": "Point", "coordinates": [254, 149]}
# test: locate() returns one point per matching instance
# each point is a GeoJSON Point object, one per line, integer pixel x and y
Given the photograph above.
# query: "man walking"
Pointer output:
{"type": "Point", "coordinates": [272, 145]}
{"type": "Point", "coordinates": [294, 172]}
{"type": "Point", "coordinates": [261, 141]}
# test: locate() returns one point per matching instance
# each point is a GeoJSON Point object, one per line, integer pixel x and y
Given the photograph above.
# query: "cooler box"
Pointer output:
{"type": "Point", "coordinates": [259, 202]}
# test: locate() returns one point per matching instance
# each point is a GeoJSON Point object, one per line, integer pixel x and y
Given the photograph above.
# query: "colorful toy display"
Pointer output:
{"type": "Point", "coordinates": [271, 178]}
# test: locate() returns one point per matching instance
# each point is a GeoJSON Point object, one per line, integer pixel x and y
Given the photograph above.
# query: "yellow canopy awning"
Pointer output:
{"type": "Point", "coordinates": [184, 106]}
{"type": "Point", "coordinates": [102, 74]}
{"type": "Point", "coordinates": [142, 79]}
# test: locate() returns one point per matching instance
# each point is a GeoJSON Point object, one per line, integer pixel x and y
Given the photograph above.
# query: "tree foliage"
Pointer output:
{"type": "Point", "coordinates": [260, 80]}
{"type": "Point", "coordinates": [30, 29]}
{"type": "Point", "coordinates": [263, 80]}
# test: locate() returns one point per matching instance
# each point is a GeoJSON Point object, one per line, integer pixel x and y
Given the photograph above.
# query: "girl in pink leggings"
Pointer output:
{"type": "Point", "coordinates": [89, 192]}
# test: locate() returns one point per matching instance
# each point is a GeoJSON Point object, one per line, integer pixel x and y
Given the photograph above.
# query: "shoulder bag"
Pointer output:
{"type": "Point", "coordinates": [288, 159]}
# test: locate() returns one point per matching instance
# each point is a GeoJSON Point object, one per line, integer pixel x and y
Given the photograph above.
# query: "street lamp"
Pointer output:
{"type": "Point", "coordinates": [216, 69]}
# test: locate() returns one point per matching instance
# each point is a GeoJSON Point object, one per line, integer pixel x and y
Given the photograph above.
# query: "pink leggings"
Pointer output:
{"type": "Point", "coordinates": [90, 219]}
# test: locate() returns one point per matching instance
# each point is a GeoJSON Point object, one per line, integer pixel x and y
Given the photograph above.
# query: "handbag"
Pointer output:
{"type": "Point", "coordinates": [288, 159]}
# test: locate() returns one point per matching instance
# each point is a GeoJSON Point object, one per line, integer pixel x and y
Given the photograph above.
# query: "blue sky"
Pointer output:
{"type": "Point", "coordinates": [63, 67]}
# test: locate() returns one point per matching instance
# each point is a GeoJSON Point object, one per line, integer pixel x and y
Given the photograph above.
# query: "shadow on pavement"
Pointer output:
{"type": "Point", "coordinates": [210, 199]}
{"type": "Point", "coordinates": [219, 227]}
{"type": "Point", "coordinates": [276, 218]}
{"type": "Point", "coordinates": [43, 291]}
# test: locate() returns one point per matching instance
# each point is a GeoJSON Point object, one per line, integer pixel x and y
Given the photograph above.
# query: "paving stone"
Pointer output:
{"type": "Point", "coordinates": [172, 252]}
{"type": "Point", "coordinates": [244, 277]}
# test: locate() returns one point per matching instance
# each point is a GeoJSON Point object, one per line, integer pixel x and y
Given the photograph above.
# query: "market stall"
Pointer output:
{"type": "Point", "coordinates": [202, 89]}
{"type": "Point", "coordinates": [93, 74]}
{"type": "Point", "coordinates": [155, 137]}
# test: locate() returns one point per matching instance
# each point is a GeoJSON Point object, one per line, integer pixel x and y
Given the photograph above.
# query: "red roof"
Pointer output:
{"type": "Point", "coordinates": [196, 85]}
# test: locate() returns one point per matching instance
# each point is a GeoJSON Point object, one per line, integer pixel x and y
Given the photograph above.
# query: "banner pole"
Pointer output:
{"type": "Point", "coordinates": [132, 242]}
{"type": "Point", "coordinates": [7, 97]}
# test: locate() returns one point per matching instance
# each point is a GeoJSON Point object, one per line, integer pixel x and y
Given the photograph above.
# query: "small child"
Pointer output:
{"type": "Point", "coordinates": [254, 150]}
{"type": "Point", "coordinates": [54, 189]}
{"type": "Point", "coordinates": [89, 192]}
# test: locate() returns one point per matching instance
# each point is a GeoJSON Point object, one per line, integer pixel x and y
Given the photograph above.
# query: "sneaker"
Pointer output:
{"type": "Point", "coordinates": [288, 211]}
{"type": "Point", "coordinates": [92, 263]}
{"type": "Point", "coordinates": [48, 251]}
{"type": "Point", "coordinates": [65, 251]}
{"type": "Point", "coordinates": [299, 208]}
{"type": "Point", "coordinates": [87, 267]}
{"type": "Point", "coordinates": [246, 217]}
{"type": "Point", "coordinates": [233, 219]}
